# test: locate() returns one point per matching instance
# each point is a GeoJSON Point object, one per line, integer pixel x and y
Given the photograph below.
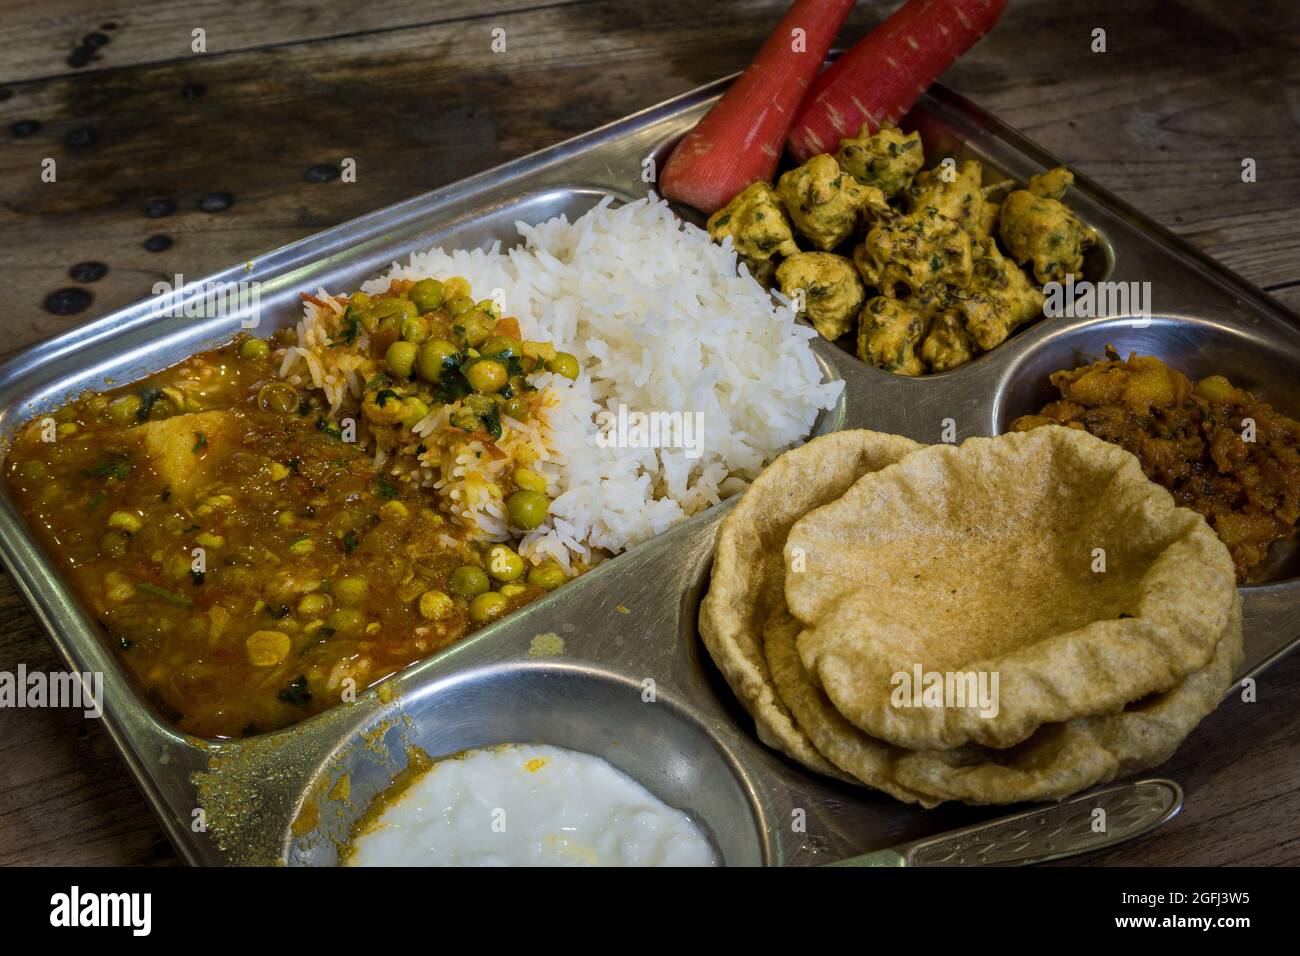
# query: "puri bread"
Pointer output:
{"type": "Point", "coordinates": [747, 577]}
{"type": "Point", "coordinates": [1056, 761]}
{"type": "Point", "coordinates": [1046, 557]}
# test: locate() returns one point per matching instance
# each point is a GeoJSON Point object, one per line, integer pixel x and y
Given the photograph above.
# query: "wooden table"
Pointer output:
{"type": "Point", "coordinates": [414, 93]}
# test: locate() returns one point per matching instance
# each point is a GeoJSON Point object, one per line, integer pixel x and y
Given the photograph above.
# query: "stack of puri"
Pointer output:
{"type": "Point", "coordinates": [860, 561]}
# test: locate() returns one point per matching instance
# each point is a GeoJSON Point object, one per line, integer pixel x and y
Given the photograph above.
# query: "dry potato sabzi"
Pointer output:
{"type": "Point", "coordinates": [1192, 439]}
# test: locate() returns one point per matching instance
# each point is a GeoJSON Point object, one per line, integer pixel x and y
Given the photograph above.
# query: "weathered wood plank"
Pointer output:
{"type": "Point", "coordinates": [40, 38]}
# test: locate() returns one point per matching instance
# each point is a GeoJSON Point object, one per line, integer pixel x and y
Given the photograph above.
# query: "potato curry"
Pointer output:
{"type": "Point", "coordinates": [1219, 449]}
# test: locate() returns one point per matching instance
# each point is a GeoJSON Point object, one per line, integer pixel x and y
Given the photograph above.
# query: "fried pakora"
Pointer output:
{"type": "Point", "coordinates": [824, 202]}
{"type": "Point", "coordinates": [887, 159]}
{"type": "Point", "coordinates": [948, 343]}
{"type": "Point", "coordinates": [832, 291]}
{"type": "Point", "coordinates": [1036, 227]}
{"type": "Point", "coordinates": [888, 334]}
{"type": "Point", "coordinates": [959, 194]}
{"type": "Point", "coordinates": [998, 298]}
{"type": "Point", "coordinates": [915, 250]}
{"type": "Point", "coordinates": [758, 227]}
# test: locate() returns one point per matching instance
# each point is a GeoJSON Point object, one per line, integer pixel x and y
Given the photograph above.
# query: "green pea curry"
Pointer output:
{"type": "Point", "coordinates": [253, 553]}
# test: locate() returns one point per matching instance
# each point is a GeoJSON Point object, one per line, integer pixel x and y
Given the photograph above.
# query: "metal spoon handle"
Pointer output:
{"type": "Point", "coordinates": [1046, 833]}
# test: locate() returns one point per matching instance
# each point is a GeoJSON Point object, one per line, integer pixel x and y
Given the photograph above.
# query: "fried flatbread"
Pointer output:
{"type": "Point", "coordinates": [1058, 760]}
{"type": "Point", "coordinates": [1046, 558]}
{"type": "Point", "coordinates": [1061, 759]}
{"type": "Point", "coordinates": [866, 759]}
{"type": "Point", "coordinates": [748, 573]}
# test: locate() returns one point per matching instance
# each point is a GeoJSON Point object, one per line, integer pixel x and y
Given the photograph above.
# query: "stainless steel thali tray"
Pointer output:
{"type": "Point", "coordinates": [628, 678]}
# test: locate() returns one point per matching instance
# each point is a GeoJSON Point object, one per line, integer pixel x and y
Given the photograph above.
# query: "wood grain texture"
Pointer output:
{"type": "Point", "coordinates": [1186, 90]}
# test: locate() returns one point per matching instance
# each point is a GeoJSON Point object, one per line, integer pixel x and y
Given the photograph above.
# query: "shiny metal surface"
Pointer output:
{"type": "Point", "coordinates": [1080, 824]}
{"type": "Point", "coordinates": [632, 683]}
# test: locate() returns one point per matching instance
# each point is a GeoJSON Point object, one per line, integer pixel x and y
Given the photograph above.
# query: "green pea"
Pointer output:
{"type": "Point", "coordinates": [346, 620]}
{"type": "Point", "coordinates": [504, 564]}
{"type": "Point", "coordinates": [475, 327]}
{"type": "Point", "coordinates": [360, 300]}
{"type": "Point", "coordinates": [436, 606]}
{"type": "Point", "coordinates": [426, 294]}
{"type": "Point", "coordinates": [123, 411]}
{"type": "Point", "coordinates": [434, 357]}
{"type": "Point", "coordinates": [273, 397]}
{"type": "Point", "coordinates": [490, 307]}
{"type": "Point", "coordinates": [529, 480]}
{"type": "Point", "coordinates": [564, 364]}
{"type": "Point", "coordinates": [415, 330]}
{"type": "Point", "coordinates": [460, 305]}
{"type": "Point", "coordinates": [527, 509]}
{"type": "Point", "coordinates": [350, 590]}
{"type": "Point", "coordinates": [516, 408]}
{"type": "Point", "coordinates": [486, 376]}
{"type": "Point", "coordinates": [364, 317]}
{"type": "Point", "coordinates": [469, 581]}
{"type": "Point", "coordinates": [254, 349]}
{"type": "Point", "coordinates": [399, 309]}
{"type": "Point", "coordinates": [315, 604]}
{"type": "Point", "coordinates": [416, 410]}
{"type": "Point", "coordinates": [401, 358]}
{"type": "Point", "coordinates": [548, 576]}
{"type": "Point", "coordinates": [487, 607]}
{"type": "Point", "coordinates": [113, 544]}
{"type": "Point", "coordinates": [455, 288]}
{"type": "Point", "coordinates": [498, 346]}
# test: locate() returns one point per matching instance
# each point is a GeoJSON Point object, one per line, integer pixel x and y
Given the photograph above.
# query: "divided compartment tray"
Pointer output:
{"type": "Point", "coordinates": [632, 683]}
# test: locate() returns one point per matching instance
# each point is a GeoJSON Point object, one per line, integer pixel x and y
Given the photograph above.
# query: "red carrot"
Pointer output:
{"type": "Point", "coordinates": [740, 140]}
{"type": "Point", "coordinates": [881, 77]}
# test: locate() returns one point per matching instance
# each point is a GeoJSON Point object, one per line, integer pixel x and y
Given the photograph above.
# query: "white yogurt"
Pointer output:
{"type": "Point", "coordinates": [529, 806]}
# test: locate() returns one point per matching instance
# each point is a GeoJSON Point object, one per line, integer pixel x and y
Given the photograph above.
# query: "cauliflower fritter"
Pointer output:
{"type": "Point", "coordinates": [947, 344]}
{"type": "Point", "coordinates": [888, 334]}
{"type": "Point", "coordinates": [1036, 227]}
{"type": "Point", "coordinates": [1052, 184]}
{"type": "Point", "coordinates": [832, 291]}
{"type": "Point", "coordinates": [887, 159]}
{"type": "Point", "coordinates": [824, 202]}
{"type": "Point", "coordinates": [915, 250]}
{"type": "Point", "coordinates": [964, 200]}
{"type": "Point", "coordinates": [999, 298]}
{"type": "Point", "coordinates": [758, 227]}
{"type": "Point", "coordinates": [931, 300]}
